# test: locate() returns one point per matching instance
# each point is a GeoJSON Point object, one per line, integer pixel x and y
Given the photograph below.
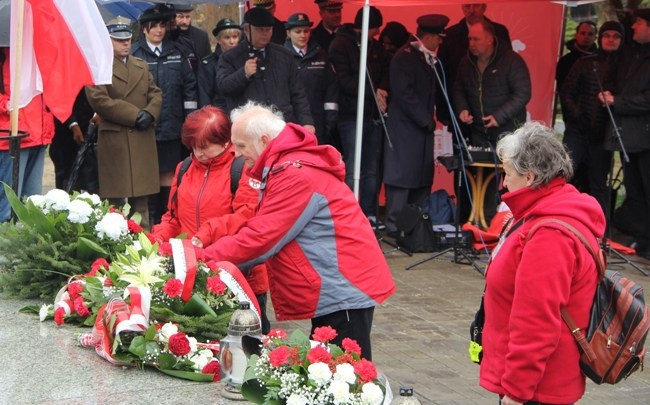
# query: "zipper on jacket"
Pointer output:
{"type": "Point", "coordinates": [198, 197]}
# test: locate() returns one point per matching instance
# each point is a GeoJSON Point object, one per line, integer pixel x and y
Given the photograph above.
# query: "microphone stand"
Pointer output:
{"type": "Point", "coordinates": [610, 183]}
{"type": "Point", "coordinates": [456, 247]}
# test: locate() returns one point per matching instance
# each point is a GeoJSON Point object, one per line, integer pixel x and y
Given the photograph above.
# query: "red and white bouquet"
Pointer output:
{"type": "Point", "coordinates": [295, 370]}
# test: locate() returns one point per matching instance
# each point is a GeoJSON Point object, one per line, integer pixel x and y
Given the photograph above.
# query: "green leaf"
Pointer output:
{"type": "Point", "coordinates": [31, 215]}
{"type": "Point", "coordinates": [30, 309]}
{"type": "Point", "coordinates": [197, 306]}
{"type": "Point", "coordinates": [138, 346]}
{"type": "Point", "coordinates": [88, 249]}
{"type": "Point", "coordinates": [167, 361]}
{"type": "Point", "coordinates": [254, 391]}
{"type": "Point", "coordinates": [189, 375]}
{"type": "Point", "coordinates": [19, 209]}
{"type": "Point", "coordinates": [150, 334]}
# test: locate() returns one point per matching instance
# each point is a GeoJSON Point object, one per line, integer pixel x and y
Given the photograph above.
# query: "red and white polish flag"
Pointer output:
{"type": "Point", "coordinates": [65, 47]}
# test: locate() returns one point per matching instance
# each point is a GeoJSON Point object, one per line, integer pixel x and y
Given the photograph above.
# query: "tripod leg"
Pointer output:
{"type": "Point", "coordinates": [607, 248]}
{"type": "Point", "coordinates": [419, 262]}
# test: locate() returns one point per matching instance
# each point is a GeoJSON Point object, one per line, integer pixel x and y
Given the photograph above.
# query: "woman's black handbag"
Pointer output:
{"type": "Point", "coordinates": [476, 335]}
{"type": "Point", "coordinates": [415, 230]}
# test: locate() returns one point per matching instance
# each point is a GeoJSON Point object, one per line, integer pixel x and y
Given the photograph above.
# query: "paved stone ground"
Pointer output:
{"type": "Point", "coordinates": [419, 338]}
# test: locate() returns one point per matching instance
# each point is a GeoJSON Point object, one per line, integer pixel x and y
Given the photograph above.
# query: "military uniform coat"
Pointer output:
{"type": "Point", "coordinates": [409, 164]}
{"type": "Point", "coordinates": [127, 157]}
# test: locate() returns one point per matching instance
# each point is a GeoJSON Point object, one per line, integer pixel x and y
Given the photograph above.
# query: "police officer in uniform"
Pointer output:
{"type": "Point", "coordinates": [408, 164]}
{"type": "Point", "coordinates": [330, 14]}
{"type": "Point", "coordinates": [173, 74]}
{"type": "Point", "coordinates": [228, 35]}
{"type": "Point", "coordinates": [316, 74]}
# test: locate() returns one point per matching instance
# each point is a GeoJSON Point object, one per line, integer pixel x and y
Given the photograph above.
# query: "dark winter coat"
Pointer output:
{"type": "Point", "coordinates": [207, 82]}
{"type": "Point", "coordinates": [345, 55]}
{"type": "Point", "coordinates": [502, 90]}
{"type": "Point", "coordinates": [566, 61]}
{"type": "Point", "coordinates": [632, 100]}
{"type": "Point", "coordinates": [322, 36]}
{"type": "Point", "coordinates": [454, 48]}
{"type": "Point", "coordinates": [171, 72]}
{"type": "Point", "coordinates": [196, 43]}
{"type": "Point", "coordinates": [584, 114]}
{"type": "Point", "coordinates": [322, 89]}
{"type": "Point", "coordinates": [409, 164]}
{"type": "Point", "coordinates": [278, 84]}
{"type": "Point", "coordinates": [127, 158]}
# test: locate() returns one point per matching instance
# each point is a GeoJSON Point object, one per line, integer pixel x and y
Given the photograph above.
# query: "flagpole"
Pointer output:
{"type": "Point", "coordinates": [18, 50]}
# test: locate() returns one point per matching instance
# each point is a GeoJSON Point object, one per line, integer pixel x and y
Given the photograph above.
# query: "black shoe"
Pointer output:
{"type": "Point", "coordinates": [375, 223]}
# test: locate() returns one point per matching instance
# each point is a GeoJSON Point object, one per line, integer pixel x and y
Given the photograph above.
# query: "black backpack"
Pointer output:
{"type": "Point", "coordinates": [614, 346]}
{"type": "Point", "coordinates": [235, 175]}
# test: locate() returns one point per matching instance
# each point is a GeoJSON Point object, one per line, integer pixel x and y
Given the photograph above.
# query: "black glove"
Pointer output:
{"type": "Point", "coordinates": [143, 120]}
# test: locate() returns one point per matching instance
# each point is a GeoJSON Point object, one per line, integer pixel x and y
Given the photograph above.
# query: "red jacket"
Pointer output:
{"type": "Point", "coordinates": [321, 253]}
{"type": "Point", "coordinates": [529, 352]}
{"type": "Point", "coordinates": [33, 118]}
{"type": "Point", "coordinates": [205, 208]}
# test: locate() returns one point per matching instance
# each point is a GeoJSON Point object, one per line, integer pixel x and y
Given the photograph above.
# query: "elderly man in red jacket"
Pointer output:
{"type": "Point", "coordinates": [323, 260]}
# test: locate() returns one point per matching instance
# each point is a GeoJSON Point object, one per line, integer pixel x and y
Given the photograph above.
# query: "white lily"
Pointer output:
{"type": "Point", "coordinates": [144, 272]}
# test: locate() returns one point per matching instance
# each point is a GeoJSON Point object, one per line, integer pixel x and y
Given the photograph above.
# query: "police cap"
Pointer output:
{"type": "Point", "coordinates": [433, 23]}
{"type": "Point", "coordinates": [159, 12]}
{"type": "Point", "coordinates": [119, 28]}
{"type": "Point", "coordinates": [298, 20]}
{"type": "Point", "coordinates": [224, 24]}
{"type": "Point", "coordinates": [329, 4]}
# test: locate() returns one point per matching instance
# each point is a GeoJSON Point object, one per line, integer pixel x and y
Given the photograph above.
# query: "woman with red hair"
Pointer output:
{"type": "Point", "coordinates": [203, 206]}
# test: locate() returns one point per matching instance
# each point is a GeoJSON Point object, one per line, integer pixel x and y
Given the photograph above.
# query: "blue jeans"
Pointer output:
{"type": "Point", "coordinates": [368, 187]}
{"type": "Point", "coordinates": [30, 177]}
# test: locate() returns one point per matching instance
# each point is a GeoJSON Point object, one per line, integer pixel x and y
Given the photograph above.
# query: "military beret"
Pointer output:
{"type": "Point", "coordinates": [259, 17]}
{"type": "Point", "coordinates": [298, 20]}
{"type": "Point", "coordinates": [643, 13]}
{"type": "Point", "coordinates": [224, 24]}
{"type": "Point", "coordinates": [159, 12]}
{"type": "Point", "coordinates": [329, 4]}
{"type": "Point", "coordinates": [183, 7]}
{"type": "Point", "coordinates": [433, 23]}
{"type": "Point", "coordinates": [119, 28]}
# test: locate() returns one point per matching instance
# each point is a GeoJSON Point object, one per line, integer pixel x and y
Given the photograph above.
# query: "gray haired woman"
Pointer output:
{"type": "Point", "coordinates": [529, 352]}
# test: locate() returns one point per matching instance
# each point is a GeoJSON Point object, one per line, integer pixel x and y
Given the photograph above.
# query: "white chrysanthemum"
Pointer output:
{"type": "Point", "coordinates": [372, 394]}
{"type": "Point", "coordinates": [93, 198]}
{"type": "Point", "coordinates": [57, 199]}
{"type": "Point", "coordinates": [79, 211]}
{"type": "Point", "coordinates": [345, 372]}
{"type": "Point", "coordinates": [112, 226]}
{"type": "Point", "coordinates": [37, 199]}
{"type": "Point", "coordinates": [167, 331]}
{"type": "Point", "coordinates": [340, 390]}
{"type": "Point", "coordinates": [319, 373]}
{"type": "Point", "coordinates": [201, 358]}
{"type": "Point", "coordinates": [43, 312]}
{"type": "Point", "coordinates": [296, 399]}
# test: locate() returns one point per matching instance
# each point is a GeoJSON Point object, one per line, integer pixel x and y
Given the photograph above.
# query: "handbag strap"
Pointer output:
{"type": "Point", "coordinates": [599, 258]}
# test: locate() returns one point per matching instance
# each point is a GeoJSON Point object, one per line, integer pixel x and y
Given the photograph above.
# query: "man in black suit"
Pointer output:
{"type": "Point", "coordinates": [330, 14]}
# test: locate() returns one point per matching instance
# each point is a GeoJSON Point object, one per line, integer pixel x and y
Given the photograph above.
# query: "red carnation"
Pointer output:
{"type": "Point", "coordinates": [324, 334]}
{"type": "Point", "coordinates": [108, 282]}
{"type": "Point", "coordinates": [215, 285]}
{"type": "Point", "coordinates": [133, 226]}
{"type": "Point", "coordinates": [213, 367]}
{"type": "Point", "coordinates": [319, 354]}
{"type": "Point", "coordinates": [74, 289]}
{"type": "Point", "coordinates": [59, 314]}
{"type": "Point", "coordinates": [345, 358]}
{"type": "Point", "coordinates": [351, 345]}
{"type": "Point", "coordinates": [97, 265]}
{"type": "Point", "coordinates": [279, 356]}
{"type": "Point", "coordinates": [179, 345]}
{"type": "Point", "coordinates": [366, 370]}
{"type": "Point", "coordinates": [80, 307]}
{"type": "Point", "coordinates": [277, 333]}
{"type": "Point", "coordinates": [173, 288]}
{"type": "Point", "coordinates": [165, 249]}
